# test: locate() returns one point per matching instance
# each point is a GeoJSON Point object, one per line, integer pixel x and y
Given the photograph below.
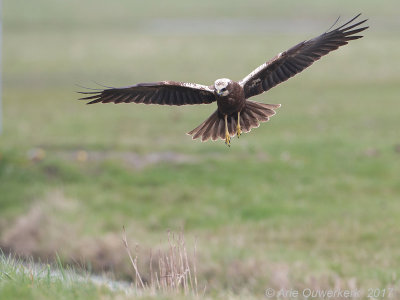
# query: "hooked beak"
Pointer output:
{"type": "Point", "coordinates": [218, 92]}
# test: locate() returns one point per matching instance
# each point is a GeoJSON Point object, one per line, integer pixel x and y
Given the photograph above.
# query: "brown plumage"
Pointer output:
{"type": "Point", "coordinates": [235, 112]}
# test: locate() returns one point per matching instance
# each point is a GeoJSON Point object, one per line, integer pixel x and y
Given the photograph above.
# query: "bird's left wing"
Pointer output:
{"type": "Point", "coordinates": [162, 93]}
{"type": "Point", "coordinates": [296, 59]}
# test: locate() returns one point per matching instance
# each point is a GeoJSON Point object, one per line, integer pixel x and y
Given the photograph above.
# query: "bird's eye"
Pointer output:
{"type": "Point", "coordinates": [223, 89]}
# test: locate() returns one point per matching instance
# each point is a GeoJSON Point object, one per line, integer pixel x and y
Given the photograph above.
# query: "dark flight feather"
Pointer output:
{"type": "Point", "coordinates": [162, 93]}
{"type": "Point", "coordinates": [296, 59]}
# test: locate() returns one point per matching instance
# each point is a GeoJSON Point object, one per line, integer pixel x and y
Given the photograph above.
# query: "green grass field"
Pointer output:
{"type": "Point", "coordinates": [307, 200]}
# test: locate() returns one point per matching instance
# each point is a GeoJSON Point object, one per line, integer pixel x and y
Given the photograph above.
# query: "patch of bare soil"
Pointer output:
{"type": "Point", "coordinates": [37, 233]}
{"type": "Point", "coordinates": [138, 161]}
{"type": "Point", "coordinates": [131, 159]}
{"type": "Point", "coordinates": [41, 234]}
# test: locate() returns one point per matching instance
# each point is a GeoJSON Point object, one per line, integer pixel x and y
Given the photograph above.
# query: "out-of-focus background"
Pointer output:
{"type": "Point", "coordinates": [310, 198]}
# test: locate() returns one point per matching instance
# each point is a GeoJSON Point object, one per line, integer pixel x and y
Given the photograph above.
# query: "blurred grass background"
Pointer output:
{"type": "Point", "coordinates": [311, 196]}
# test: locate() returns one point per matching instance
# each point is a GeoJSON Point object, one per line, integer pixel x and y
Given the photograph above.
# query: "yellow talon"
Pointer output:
{"type": "Point", "coordinates": [227, 136]}
{"type": "Point", "coordinates": [227, 139]}
{"type": "Point", "coordinates": [238, 129]}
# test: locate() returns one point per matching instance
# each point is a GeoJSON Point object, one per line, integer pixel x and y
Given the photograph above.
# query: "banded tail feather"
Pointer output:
{"type": "Point", "coordinates": [250, 117]}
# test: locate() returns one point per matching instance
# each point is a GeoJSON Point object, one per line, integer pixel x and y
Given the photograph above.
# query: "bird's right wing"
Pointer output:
{"type": "Point", "coordinates": [162, 93]}
{"type": "Point", "coordinates": [296, 59]}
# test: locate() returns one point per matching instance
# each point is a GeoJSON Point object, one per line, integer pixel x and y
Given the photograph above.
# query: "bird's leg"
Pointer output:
{"type": "Point", "coordinates": [238, 129]}
{"type": "Point", "coordinates": [227, 136]}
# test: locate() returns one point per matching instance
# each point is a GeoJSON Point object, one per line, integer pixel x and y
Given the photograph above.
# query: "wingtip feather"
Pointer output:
{"type": "Point", "coordinates": [345, 24]}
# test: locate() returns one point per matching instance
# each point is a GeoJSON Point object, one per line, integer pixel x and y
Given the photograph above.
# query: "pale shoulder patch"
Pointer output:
{"type": "Point", "coordinates": [195, 86]}
{"type": "Point", "coordinates": [252, 74]}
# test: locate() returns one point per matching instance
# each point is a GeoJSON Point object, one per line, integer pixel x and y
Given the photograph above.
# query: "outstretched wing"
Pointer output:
{"type": "Point", "coordinates": [162, 93]}
{"type": "Point", "coordinates": [296, 59]}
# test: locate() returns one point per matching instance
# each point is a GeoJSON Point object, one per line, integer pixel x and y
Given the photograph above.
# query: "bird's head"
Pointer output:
{"type": "Point", "coordinates": [221, 87]}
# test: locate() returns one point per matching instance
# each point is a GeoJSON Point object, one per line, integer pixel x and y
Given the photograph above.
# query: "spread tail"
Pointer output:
{"type": "Point", "coordinates": [250, 117]}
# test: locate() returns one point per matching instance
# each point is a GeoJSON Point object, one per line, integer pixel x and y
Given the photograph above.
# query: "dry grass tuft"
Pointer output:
{"type": "Point", "coordinates": [171, 271]}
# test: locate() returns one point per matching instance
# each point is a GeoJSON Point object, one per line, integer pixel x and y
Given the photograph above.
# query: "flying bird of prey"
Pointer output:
{"type": "Point", "coordinates": [235, 113]}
